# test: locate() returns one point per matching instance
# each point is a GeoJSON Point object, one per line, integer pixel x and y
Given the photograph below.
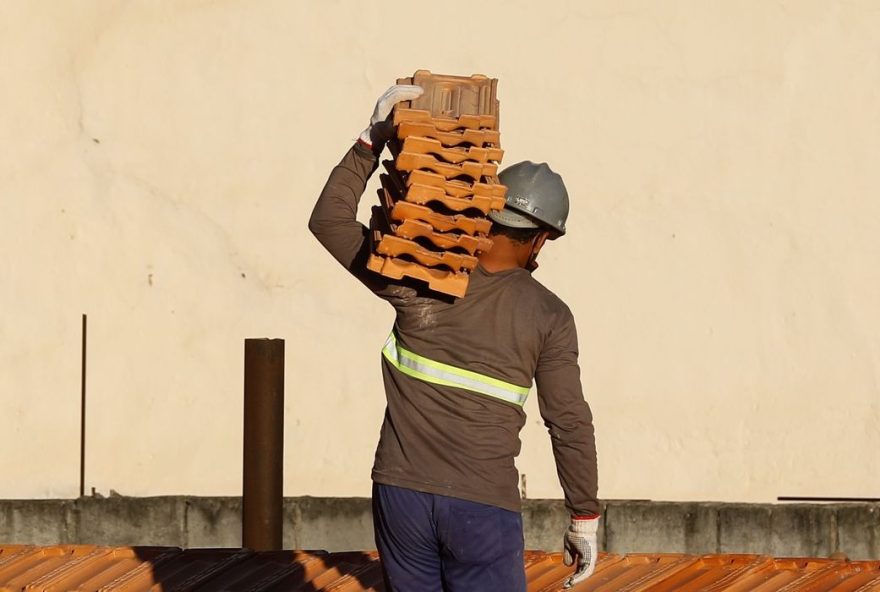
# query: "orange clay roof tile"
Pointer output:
{"type": "Point", "coordinates": [91, 568]}
{"type": "Point", "coordinates": [474, 122]}
{"type": "Point", "coordinates": [453, 283]}
{"type": "Point", "coordinates": [411, 161]}
{"type": "Point", "coordinates": [422, 145]}
{"type": "Point", "coordinates": [397, 182]}
{"type": "Point", "coordinates": [479, 138]}
{"type": "Point", "coordinates": [395, 246]}
{"type": "Point", "coordinates": [413, 229]}
{"type": "Point", "coordinates": [453, 96]}
{"type": "Point", "coordinates": [404, 210]}
{"type": "Point", "coordinates": [485, 194]}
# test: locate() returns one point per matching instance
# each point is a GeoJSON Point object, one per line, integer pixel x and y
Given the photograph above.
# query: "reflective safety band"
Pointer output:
{"type": "Point", "coordinates": [435, 372]}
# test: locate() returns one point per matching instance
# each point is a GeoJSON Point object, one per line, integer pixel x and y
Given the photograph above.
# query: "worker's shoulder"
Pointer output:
{"type": "Point", "coordinates": [536, 294]}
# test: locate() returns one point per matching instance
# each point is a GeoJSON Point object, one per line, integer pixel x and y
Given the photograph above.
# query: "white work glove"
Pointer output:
{"type": "Point", "coordinates": [379, 131]}
{"type": "Point", "coordinates": [580, 543]}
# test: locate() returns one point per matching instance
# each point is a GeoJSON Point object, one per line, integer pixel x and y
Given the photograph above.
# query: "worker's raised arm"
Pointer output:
{"type": "Point", "coordinates": [334, 217]}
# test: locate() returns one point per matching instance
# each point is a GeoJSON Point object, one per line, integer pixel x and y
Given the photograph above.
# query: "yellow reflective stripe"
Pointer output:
{"type": "Point", "coordinates": [435, 372]}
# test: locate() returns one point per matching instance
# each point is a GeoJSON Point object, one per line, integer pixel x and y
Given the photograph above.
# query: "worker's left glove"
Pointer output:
{"type": "Point", "coordinates": [580, 544]}
{"type": "Point", "coordinates": [380, 131]}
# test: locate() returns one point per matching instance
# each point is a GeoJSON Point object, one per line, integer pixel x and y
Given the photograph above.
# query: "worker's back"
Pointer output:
{"type": "Point", "coordinates": [456, 375]}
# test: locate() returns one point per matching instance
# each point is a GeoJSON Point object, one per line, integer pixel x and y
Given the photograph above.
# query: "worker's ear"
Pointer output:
{"type": "Point", "coordinates": [537, 243]}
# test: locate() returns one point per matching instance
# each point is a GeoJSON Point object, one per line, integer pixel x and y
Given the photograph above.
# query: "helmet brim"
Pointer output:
{"type": "Point", "coordinates": [512, 218]}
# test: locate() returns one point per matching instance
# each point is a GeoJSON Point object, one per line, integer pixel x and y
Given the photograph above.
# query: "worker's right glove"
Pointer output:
{"type": "Point", "coordinates": [580, 543]}
{"type": "Point", "coordinates": [380, 131]}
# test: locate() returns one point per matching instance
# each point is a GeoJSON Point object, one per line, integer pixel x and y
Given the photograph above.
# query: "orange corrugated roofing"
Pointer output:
{"type": "Point", "coordinates": [131, 569]}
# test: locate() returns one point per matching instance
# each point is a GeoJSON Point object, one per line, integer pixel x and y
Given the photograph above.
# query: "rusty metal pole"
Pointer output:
{"type": "Point", "coordinates": [263, 443]}
{"type": "Point", "coordinates": [82, 412]}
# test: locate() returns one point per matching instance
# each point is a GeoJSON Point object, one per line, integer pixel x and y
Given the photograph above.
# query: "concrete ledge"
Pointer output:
{"type": "Point", "coordinates": [119, 521]}
{"type": "Point", "coordinates": [816, 526]}
{"type": "Point", "coordinates": [745, 528]}
{"type": "Point", "coordinates": [858, 530]}
{"type": "Point", "coordinates": [645, 527]}
{"type": "Point", "coordinates": [37, 522]}
{"type": "Point", "coordinates": [342, 524]}
{"type": "Point", "coordinates": [213, 522]}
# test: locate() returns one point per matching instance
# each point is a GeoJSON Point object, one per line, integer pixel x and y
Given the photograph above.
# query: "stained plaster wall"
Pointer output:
{"type": "Point", "coordinates": [160, 159]}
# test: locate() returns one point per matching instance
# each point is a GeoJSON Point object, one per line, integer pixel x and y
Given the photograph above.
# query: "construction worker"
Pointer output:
{"type": "Point", "coordinates": [446, 504]}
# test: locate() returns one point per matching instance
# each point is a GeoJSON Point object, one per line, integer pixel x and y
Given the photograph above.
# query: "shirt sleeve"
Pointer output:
{"type": "Point", "coordinates": [568, 417]}
{"type": "Point", "coordinates": [334, 217]}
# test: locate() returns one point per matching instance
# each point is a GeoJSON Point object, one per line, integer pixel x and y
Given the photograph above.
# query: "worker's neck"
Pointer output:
{"type": "Point", "coordinates": [504, 255]}
{"type": "Point", "coordinates": [496, 264]}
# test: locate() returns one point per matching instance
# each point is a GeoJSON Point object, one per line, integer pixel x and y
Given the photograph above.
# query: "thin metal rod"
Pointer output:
{"type": "Point", "coordinates": [263, 444]}
{"type": "Point", "coordinates": [82, 413]}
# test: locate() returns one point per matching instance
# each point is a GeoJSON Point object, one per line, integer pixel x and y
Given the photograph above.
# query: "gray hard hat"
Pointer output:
{"type": "Point", "coordinates": [536, 198]}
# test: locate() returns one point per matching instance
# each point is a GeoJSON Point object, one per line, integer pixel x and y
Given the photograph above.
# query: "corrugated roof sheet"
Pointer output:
{"type": "Point", "coordinates": [131, 569]}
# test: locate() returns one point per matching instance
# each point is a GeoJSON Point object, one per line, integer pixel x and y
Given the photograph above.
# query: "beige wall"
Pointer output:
{"type": "Point", "coordinates": [160, 159]}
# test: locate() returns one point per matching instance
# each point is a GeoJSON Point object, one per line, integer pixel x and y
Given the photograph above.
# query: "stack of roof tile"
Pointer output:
{"type": "Point", "coordinates": [440, 187]}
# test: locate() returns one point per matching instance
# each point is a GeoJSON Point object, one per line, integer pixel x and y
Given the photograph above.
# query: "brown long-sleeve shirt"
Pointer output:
{"type": "Point", "coordinates": [448, 440]}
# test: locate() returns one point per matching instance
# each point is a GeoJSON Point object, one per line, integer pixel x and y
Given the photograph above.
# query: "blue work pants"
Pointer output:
{"type": "Point", "coordinates": [434, 543]}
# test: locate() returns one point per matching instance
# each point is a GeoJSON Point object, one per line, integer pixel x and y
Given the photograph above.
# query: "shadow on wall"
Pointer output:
{"type": "Point", "coordinates": [242, 569]}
